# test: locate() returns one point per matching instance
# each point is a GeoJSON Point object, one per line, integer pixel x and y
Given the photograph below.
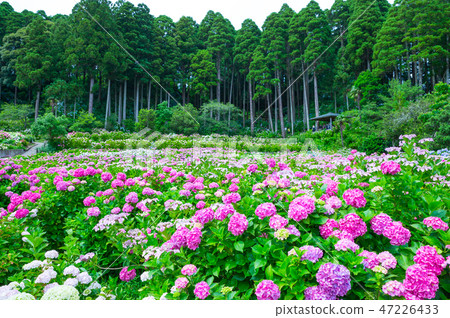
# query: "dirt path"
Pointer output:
{"type": "Point", "coordinates": [32, 150]}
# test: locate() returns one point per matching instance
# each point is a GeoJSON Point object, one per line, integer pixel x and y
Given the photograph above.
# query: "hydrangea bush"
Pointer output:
{"type": "Point", "coordinates": [219, 223]}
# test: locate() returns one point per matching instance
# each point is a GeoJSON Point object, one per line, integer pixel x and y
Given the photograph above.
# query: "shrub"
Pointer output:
{"type": "Point", "coordinates": [85, 123]}
{"type": "Point", "coordinates": [146, 119]}
{"type": "Point", "coordinates": [50, 127]}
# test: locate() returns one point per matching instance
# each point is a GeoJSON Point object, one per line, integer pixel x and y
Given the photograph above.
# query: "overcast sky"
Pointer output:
{"type": "Point", "coordinates": [234, 10]}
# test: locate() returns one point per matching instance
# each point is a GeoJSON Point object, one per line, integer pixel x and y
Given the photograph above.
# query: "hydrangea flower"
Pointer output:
{"type": "Point", "coordinates": [436, 223]}
{"type": "Point", "coordinates": [277, 222]}
{"type": "Point", "coordinates": [390, 167]}
{"type": "Point", "coordinates": [181, 283]}
{"type": "Point", "coordinates": [420, 282]}
{"type": "Point", "coordinates": [267, 290]}
{"type": "Point", "coordinates": [193, 238]}
{"type": "Point", "coordinates": [189, 270]}
{"type": "Point", "coordinates": [334, 279]}
{"type": "Point", "coordinates": [62, 292]}
{"type": "Point", "coordinates": [318, 293]}
{"type": "Point", "coordinates": [354, 198]}
{"type": "Point", "coordinates": [393, 288]}
{"type": "Point", "coordinates": [238, 224]}
{"type": "Point", "coordinates": [281, 234]}
{"type": "Point", "coordinates": [265, 210]}
{"type": "Point", "coordinates": [345, 244]}
{"type": "Point", "coordinates": [397, 233]}
{"type": "Point", "coordinates": [387, 260]}
{"type": "Point", "coordinates": [223, 211]}
{"type": "Point", "coordinates": [293, 230]}
{"type": "Point", "coordinates": [71, 270]}
{"type": "Point", "coordinates": [353, 224]}
{"type": "Point", "coordinates": [371, 259]}
{"type": "Point", "coordinates": [301, 207]}
{"type": "Point", "coordinates": [202, 290]}
{"type": "Point", "coordinates": [126, 275]}
{"type": "Point", "coordinates": [51, 254]}
{"type": "Point", "coordinates": [428, 257]}
{"type": "Point", "coordinates": [379, 222]}
{"type": "Point", "coordinates": [84, 278]}
{"type": "Point", "coordinates": [327, 229]}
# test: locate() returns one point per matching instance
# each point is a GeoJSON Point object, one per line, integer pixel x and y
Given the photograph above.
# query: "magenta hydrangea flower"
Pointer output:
{"type": "Point", "coordinates": [420, 282]}
{"type": "Point", "coordinates": [394, 288]}
{"type": "Point", "coordinates": [317, 293]}
{"type": "Point", "coordinates": [126, 275]}
{"type": "Point", "coordinates": [397, 233]}
{"type": "Point", "coordinates": [334, 279]}
{"type": "Point", "coordinates": [238, 224]}
{"type": "Point", "coordinates": [89, 201]}
{"type": "Point", "coordinates": [436, 223]}
{"type": "Point", "coordinates": [267, 290]}
{"type": "Point", "coordinates": [106, 176]}
{"type": "Point", "coordinates": [379, 222]}
{"type": "Point", "coordinates": [293, 230]}
{"type": "Point", "coordinates": [301, 207]}
{"type": "Point", "coordinates": [428, 257]}
{"type": "Point", "coordinates": [223, 211]}
{"type": "Point", "coordinates": [327, 229]}
{"type": "Point", "coordinates": [353, 224]}
{"type": "Point", "coordinates": [252, 168]}
{"type": "Point", "coordinates": [181, 283]}
{"type": "Point", "coordinates": [231, 198]}
{"type": "Point", "coordinates": [333, 202]}
{"type": "Point", "coordinates": [265, 209]}
{"type": "Point", "coordinates": [94, 211]}
{"type": "Point", "coordinates": [345, 244]}
{"type": "Point", "coordinates": [355, 198]}
{"type": "Point", "coordinates": [194, 238]}
{"type": "Point", "coordinates": [204, 216]}
{"type": "Point", "coordinates": [21, 213]}
{"type": "Point", "coordinates": [277, 222]}
{"type": "Point", "coordinates": [202, 290]}
{"type": "Point", "coordinates": [371, 259]}
{"type": "Point", "coordinates": [387, 260]}
{"type": "Point", "coordinates": [312, 254]}
{"type": "Point", "coordinates": [132, 197]}
{"type": "Point", "coordinates": [179, 238]}
{"type": "Point", "coordinates": [390, 167]}
{"type": "Point", "coordinates": [189, 270]}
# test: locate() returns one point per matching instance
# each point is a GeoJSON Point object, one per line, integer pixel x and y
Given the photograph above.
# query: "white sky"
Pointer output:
{"type": "Point", "coordinates": [234, 10]}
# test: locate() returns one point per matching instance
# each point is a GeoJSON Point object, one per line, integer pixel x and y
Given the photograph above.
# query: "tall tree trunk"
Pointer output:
{"type": "Point", "coordinates": [36, 106]}
{"type": "Point", "coordinates": [305, 95]}
{"type": "Point", "coordinates": [100, 88]}
{"type": "Point", "coordinates": [292, 106]}
{"type": "Point", "coordinates": [149, 93]}
{"type": "Point", "coordinates": [335, 102]}
{"type": "Point", "coordinates": [108, 102]}
{"type": "Point", "coordinates": [120, 104]}
{"type": "Point", "coordinates": [269, 111]}
{"type": "Point", "coordinates": [115, 98]}
{"type": "Point", "coordinates": [283, 132]}
{"type": "Point", "coordinates": [252, 114]}
{"type": "Point", "coordinates": [243, 105]}
{"type": "Point", "coordinates": [276, 109]}
{"type": "Point", "coordinates": [419, 72]}
{"type": "Point", "coordinates": [346, 100]}
{"type": "Point", "coordinates": [316, 98]}
{"type": "Point", "coordinates": [91, 96]}
{"type": "Point", "coordinates": [231, 86]}
{"type": "Point", "coordinates": [218, 78]}
{"type": "Point", "coordinates": [142, 96]}
{"type": "Point", "coordinates": [183, 93]}
{"type": "Point", "coordinates": [136, 101]}
{"type": "Point", "coordinates": [124, 110]}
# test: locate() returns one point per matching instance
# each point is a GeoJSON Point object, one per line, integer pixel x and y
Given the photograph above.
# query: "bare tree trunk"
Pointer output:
{"type": "Point", "coordinates": [269, 111]}
{"type": "Point", "coordinates": [91, 96]}
{"type": "Point", "coordinates": [316, 99]}
{"type": "Point", "coordinates": [115, 98]}
{"type": "Point", "coordinates": [36, 107]}
{"type": "Point", "coordinates": [149, 93]}
{"type": "Point", "coordinates": [231, 86]}
{"type": "Point", "coordinates": [120, 104]}
{"type": "Point", "coordinates": [346, 100]}
{"type": "Point", "coordinates": [108, 102]}
{"type": "Point", "coordinates": [305, 95]}
{"type": "Point", "coordinates": [252, 114]}
{"type": "Point", "coordinates": [276, 109]}
{"type": "Point", "coordinates": [292, 106]}
{"type": "Point", "coordinates": [124, 110]}
{"type": "Point", "coordinates": [283, 132]}
{"type": "Point", "coordinates": [136, 102]}
{"type": "Point", "coordinates": [218, 79]}
{"type": "Point", "coordinates": [183, 93]}
{"type": "Point", "coordinates": [419, 72]}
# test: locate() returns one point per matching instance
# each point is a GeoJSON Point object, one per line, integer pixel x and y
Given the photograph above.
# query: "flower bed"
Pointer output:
{"type": "Point", "coordinates": [213, 223]}
{"type": "Point", "coordinates": [11, 140]}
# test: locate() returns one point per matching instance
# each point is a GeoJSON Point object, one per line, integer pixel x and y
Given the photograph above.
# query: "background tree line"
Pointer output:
{"type": "Point", "coordinates": [70, 65]}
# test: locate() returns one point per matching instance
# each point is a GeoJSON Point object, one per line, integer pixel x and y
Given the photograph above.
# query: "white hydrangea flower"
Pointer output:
{"type": "Point", "coordinates": [6, 292]}
{"type": "Point", "coordinates": [71, 270]}
{"type": "Point", "coordinates": [63, 292]}
{"type": "Point", "coordinates": [50, 286]}
{"type": "Point", "coordinates": [149, 298]}
{"type": "Point", "coordinates": [52, 254]}
{"type": "Point", "coordinates": [95, 285]}
{"type": "Point", "coordinates": [14, 285]}
{"type": "Point", "coordinates": [46, 276]}
{"type": "Point", "coordinates": [34, 264]}
{"type": "Point", "coordinates": [145, 276]}
{"type": "Point", "coordinates": [22, 296]}
{"type": "Point", "coordinates": [84, 278]}
{"type": "Point", "coordinates": [71, 282]}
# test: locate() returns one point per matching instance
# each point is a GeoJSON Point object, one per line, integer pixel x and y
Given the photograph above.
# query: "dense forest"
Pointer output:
{"type": "Point", "coordinates": [106, 59]}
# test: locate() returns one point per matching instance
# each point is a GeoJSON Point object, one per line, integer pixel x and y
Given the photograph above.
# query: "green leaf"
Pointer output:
{"type": "Point", "coordinates": [239, 246]}
{"type": "Point", "coordinates": [260, 262]}
{"type": "Point", "coordinates": [269, 272]}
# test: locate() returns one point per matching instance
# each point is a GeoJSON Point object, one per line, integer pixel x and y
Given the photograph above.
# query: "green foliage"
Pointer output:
{"type": "Point", "coordinates": [85, 123]}
{"type": "Point", "coordinates": [50, 127]}
{"type": "Point", "coordinates": [184, 120]}
{"type": "Point", "coordinates": [163, 117]}
{"type": "Point", "coordinates": [146, 119]}
{"type": "Point", "coordinates": [19, 113]}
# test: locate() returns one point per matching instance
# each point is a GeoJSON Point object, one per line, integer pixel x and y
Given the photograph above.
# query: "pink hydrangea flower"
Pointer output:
{"type": "Point", "coordinates": [353, 224]}
{"type": "Point", "coordinates": [265, 209]}
{"type": "Point", "coordinates": [238, 224]}
{"type": "Point", "coordinates": [334, 279]}
{"type": "Point", "coordinates": [394, 288]}
{"type": "Point", "coordinates": [390, 167]}
{"type": "Point", "coordinates": [204, 216]}
{"type": "Point", "coordinates": [345, 244]}
{"type": "Point", "coordinates": [252, 168]}
{"type": "Point", "coordinates": [194, 238]}
{"type": "Point", "coordinates": [202, 290]}
{"type": "Point", "coordinates": [21, 213]}
{"type": "Point", "coordinates": [267, 290]}
{"type": "Point", "coordinates": [231, 198]}
{"type": "Point", "coordinates": [355, 198]}
{"type": "Point", "coordinates": [428, 257]}
{"type": "Point", "coordinates": [277, 222]}
{"type": "Point", "coordinates": [379, 222]}
{"type": "Point", "coordinates": [300, 208]}
{"type": "Point", "coordinates": [397, 233]}
{"type": "Point", "coordinates": [327, 229]}
{"type": "Point", "coordinates": [189, 270]}
{"type": "Point", "coordinates": [436, 223]}
{"type": "Point", "coordinates": [387, 260]}
{"type": "Point", "coordinates": [223, 211]}
{"type": "Point", "coordinates": [94, 211]}
{"type": "Point", "coordinates": [420, 282]}
{"type": "Point", "coordinates": [89, 201]}
{"type": "Point", "coordinates": [371, 259]}
{"type": "Point", "coordinates": [181, 283]}
{"type": "Point", "coordinates": [126, 275]}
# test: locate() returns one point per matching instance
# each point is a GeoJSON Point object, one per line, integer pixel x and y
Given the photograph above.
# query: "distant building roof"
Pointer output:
{"type": "Point", "coordinates": [325, 117]}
